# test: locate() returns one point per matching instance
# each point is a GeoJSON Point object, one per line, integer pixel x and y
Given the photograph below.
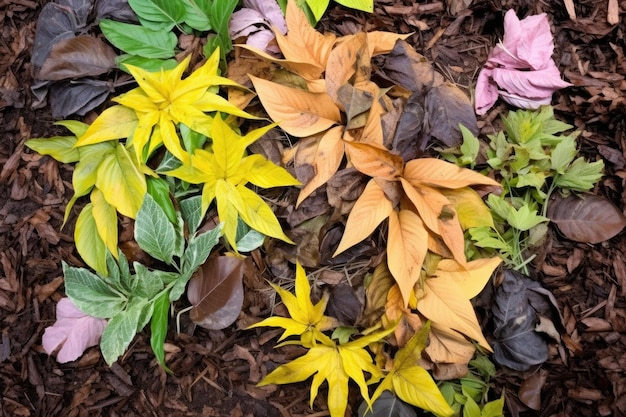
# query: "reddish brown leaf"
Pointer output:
{"type": "Point", "coordinates": [586, 218]}
{"type": "Point", "coordinates": [77, 57]}
{"type": "Point", "coordinates": [216, 292]}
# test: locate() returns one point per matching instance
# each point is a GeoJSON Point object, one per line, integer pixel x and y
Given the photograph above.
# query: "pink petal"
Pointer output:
{"type": "Point", "coordinates": [524, 102]}
{"type": "Point", "coordinates": [245, 21]}
{"type": "Point", "coordinates": [73, 332]}
{"type": "Point", "coordinates": [535, 85]}
{"type": "Point", "coordinates": [536, 45]}
{"type": "Point", "coordinates": [261, 40]}
{"type": "Point", "coordinates": [513, 31]}
{"type": "Point", "coordinates": [270, 10]}
{"type": "Point", "coordinates": [486, 92]}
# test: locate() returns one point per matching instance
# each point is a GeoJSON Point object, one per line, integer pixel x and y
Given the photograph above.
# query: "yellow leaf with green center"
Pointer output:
{"type": "Point", "coordinates": [335, 364]}
{"type": "Point", "coordinates": [224, 174]}
{"type": "Point", "coordinates": [105, 217]}
{"type": "Point", "coordinates": [89, 244]}
{"type": "Point", "coordinates": [307, 320]}
{"type": "Point", "coordinates": [121, 182]}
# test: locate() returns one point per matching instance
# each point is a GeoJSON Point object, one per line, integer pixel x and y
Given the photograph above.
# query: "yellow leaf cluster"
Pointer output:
{"type": "Point", "coordinates": [224, 173]}
{"type": "Point", "coordinates": [325, 360]}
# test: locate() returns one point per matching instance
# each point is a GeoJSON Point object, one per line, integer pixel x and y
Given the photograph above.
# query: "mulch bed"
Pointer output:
{"type": "Point", "coordinates": [215, 372]}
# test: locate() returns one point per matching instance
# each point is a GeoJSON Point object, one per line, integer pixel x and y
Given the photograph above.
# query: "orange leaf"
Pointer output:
{"type": "Point", "coordinates": [406, 249]}
{"type": "Point", "coordinates": [452, 233]}
{"type": "Point", "coordinates": [374, 160]}
{"type": "Point", "coordinates": [428, 202]}
{"type": "Point", "coordinates": [471, 277]}
{"type": "Point", "coordinates": [443, 301]}
{"type": "Point", "coordinates": [349, 57]}
{"type": "Point", "coordinates": [325, 161]}
{"type": "Point", "coordinates": [438, 173]}
{"type": "Point", "coordinates": [303, 43]}
{"type": "Point", "coordinates": [380, 42]}
{"type": "Point", "coordinates": [300, 113]}
{"type": "Point", "coordinates": [368, 212]}
{"type": "Point", "coordinates": [396, 311]}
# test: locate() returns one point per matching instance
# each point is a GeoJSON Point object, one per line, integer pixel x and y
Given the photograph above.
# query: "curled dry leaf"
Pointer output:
{"type": "Point", "coordinates": [216, 292]}
{"type": "Point", "coordinates": [586, 218]}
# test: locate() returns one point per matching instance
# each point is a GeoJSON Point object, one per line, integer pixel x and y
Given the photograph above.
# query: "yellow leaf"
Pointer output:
{"type": "Point", "coordinates": [89, 244]}
{"type": "Point", "coordinates": [307, 320]}
{"type": "Point", "coordinates": [300, 113]}
{"type": "Point", "coordinates": [438, 173]}
{"type": "Point", "coordinates": [374, 160]}
{"type": "Point", "coordinates": [470, 207]}
{"type": "Point", "coordinates": [412, 383]}
{"type": "Point", "coordinates": [229, 205]}
{"type": "Point", "coordinates": [368, 212]}
{"type": "Point", "coordinates": [381, 42]}
{"type": "Point", "coordinates": [117, 122]}
{"type": "Point", "coordinates": [105, 217]}
{"type": "Point", "coordinates": [259, 216]}
{"type": "Point", "coordinates": [266, 174]}
{"type": "Point", "coordinates": [471, 277]}
{"type": "Point", "coordinates": [428, 202]}
{"type": "Point", "coordinates": [325, 160]}
{"type": "Point", "coordinates": [121, 182]}
{"type": "Point", "coordinates": [406, 249]}
{"type": "Point", "coordinates": [444, 302]}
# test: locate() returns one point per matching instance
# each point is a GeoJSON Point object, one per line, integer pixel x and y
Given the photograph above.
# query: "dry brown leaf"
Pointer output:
{"type": "Point", "coordinates": [348, 63]}
{"type": "Point", "coordinates": [216, 292]}
{"type": "Point", "coordinates": [448, 346]}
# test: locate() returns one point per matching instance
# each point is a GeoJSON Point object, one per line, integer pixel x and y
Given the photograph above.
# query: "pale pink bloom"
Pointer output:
{"type": "Point", "coordinates": [256, 21]}
{"type": "Point", "coordinates": [520, 69]}
{"type": "Point", "coordinates": [73, 332]}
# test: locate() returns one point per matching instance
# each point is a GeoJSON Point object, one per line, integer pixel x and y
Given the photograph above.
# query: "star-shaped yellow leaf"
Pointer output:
{"type": "Point", "coordinates": [224, 174]}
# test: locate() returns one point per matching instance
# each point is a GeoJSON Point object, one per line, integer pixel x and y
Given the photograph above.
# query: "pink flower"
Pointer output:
{"type": "Point", "coordinates": [256, 20]}
{"type": "Point", "coordinates": [73, 332]}
{"type": "Point", "coordinates": [520, 69]}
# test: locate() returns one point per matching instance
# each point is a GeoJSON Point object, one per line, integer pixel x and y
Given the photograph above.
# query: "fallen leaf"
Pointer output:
{"type": "Point", "coordinates": [530, 390]}
{"type": "Point", "coordinates": [79, 97]}
{"type": "Point", "coordinates": [447, 107]}
{"type": "Point", "coordinates": [586, 218]}
{"type": "Point", "coordinates": [72, 333]}
{"type": "Point", "coordinates": [216, 292]}
{"type": "Point", "coordinates": [387, 405]}
{"type": "Point", "coordinates": [77, 57]}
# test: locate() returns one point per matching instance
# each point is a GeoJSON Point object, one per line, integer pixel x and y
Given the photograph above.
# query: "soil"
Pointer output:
{"type": "Point", "coordinates": [215, 372]}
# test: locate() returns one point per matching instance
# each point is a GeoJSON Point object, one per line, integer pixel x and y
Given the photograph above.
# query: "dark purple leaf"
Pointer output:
{"type": "Point", "coordinates": [77, 97]}
{"type": "Point", "coordinates": [344, 305]}
{"type": "Point", "coordinates": [409, 139]}
{"type": "Point", "coordinates": [55, 24]}
{"type": "Point", "coordinates": [216, 292]}
{"type": "Point", "coordinates": [118, 10]}
{"type": "Point", "coordinates": [517, 345]}
{"type": "Point", "coordinates": [77, 57]}
{"type": "Point", "coordinates": [447, 107]}
{"type": "Point", "coordinates": [409, 69]}
{"type": "Point", "coordinates": [586, 218]}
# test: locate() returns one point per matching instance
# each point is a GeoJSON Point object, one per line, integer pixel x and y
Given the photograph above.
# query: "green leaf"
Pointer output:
{"type": "Point", "coordinates": [563, 154]}
{"type": "Point", "coordinates": [580, 175]}
{"type": "Point", "coordinates": [471, 409]}
{"type": "Point", "coordinates": [499, 206]}
{"type": "Point", "coordinates": [469, 148]}
{"type": "Point", "coordinates": [91, 294]}
{"type": "Point", "coordinates": [494, 408]}
{"type": "Point", "coordinates": [318, 7]}
{"type": "Point", "coordinates": [197, 14]}
{"type": "Point", "coordinates": [153, 231]}
{"type": "Point", "coordinates": [199, 248]}
{"type": "Point", "coordinates": [74, 126]}
{"type": "Point", "coordinates": [120, 331]}
{"type": "Point", "coordinates": [89, 244]}
{"type": "Point", "coordinates": [159, 189]}
{"type": "Point", "coordinates": [248, 239]}
{"type": "Point", "coordinates": [158, 328]}
{"type": "Point", "coordinates": [158, 14]}
{"type": "Point", "coordinates": [364, 5]}
{"type": "Point", "coordinates": [138, 40]}
{"type": "Point", "coordinates": [148, 64]}
{"type": "Point", "coordinates": [149, 283]}
{"type": "Point", "coordinates": [191, 209]}
{"type": "Point", "coordinates": [524, 219]}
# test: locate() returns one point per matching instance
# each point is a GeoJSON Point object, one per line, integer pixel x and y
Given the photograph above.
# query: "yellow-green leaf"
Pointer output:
{"type": "Point", "coordinates": [117, 122]}
{"type": "Point", "coordinates": [105, 217]}
{"type": "Point", "coordinates": [258, 215]}
{"type": "Point", "coordinates": [89, 244]}
{"type": "Point", "coordinates": [60, 148]}
{"type": "Point", "coordinates": [121, 182]}
{"type": "Point", "coordinates": [470, 207]}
